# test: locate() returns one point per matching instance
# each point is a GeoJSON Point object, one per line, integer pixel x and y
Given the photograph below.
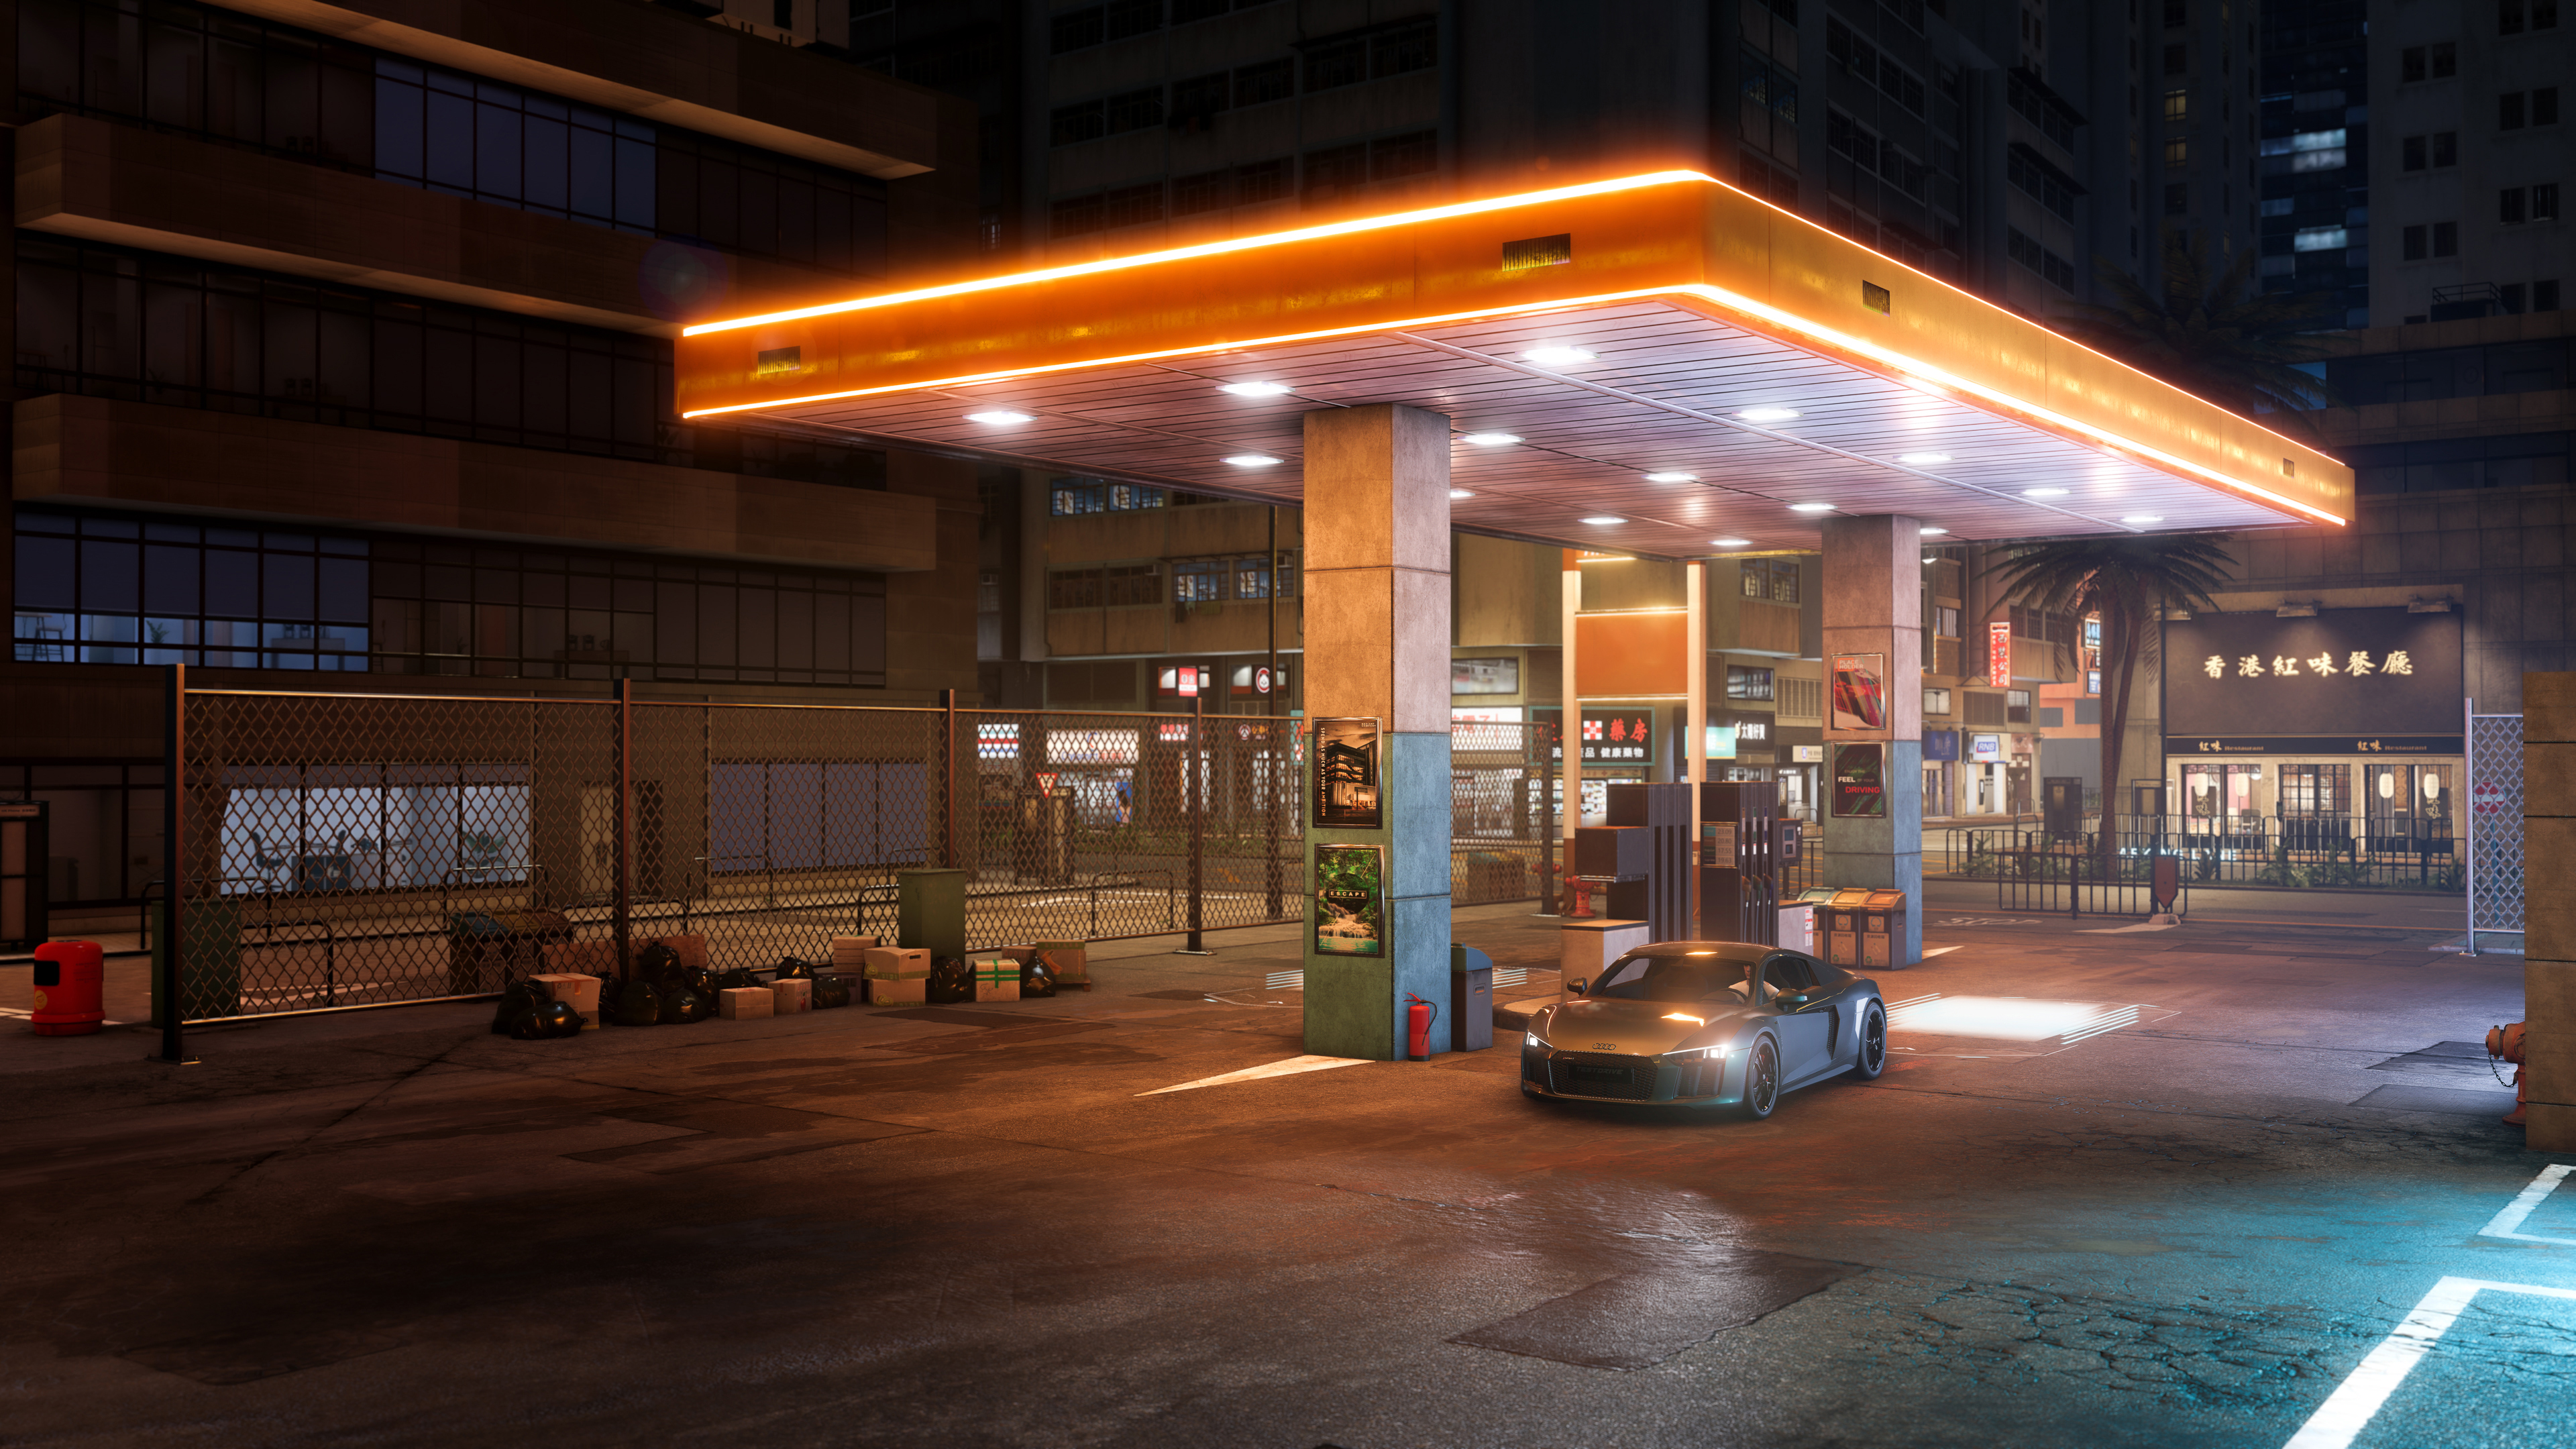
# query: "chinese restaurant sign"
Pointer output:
{"type": "Point", "coordinates": [1999, 655]}
{"type": "Point", "coordinates": [2349, 681]}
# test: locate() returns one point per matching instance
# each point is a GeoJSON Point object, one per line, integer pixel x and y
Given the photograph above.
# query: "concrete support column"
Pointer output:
{"type": "Point", "coordinates": [1569, 729]}
{"type": "Point", "coordinates": [1377, 646]}
{"type": "Point", "coordinates": [2549, 911]}
{"type": "Point", "coordinates": [1873, 574]}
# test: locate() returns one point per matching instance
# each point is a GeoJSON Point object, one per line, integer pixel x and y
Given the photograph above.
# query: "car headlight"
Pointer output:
{"type": "Point", "coordinates": [1533, 1039]}
{"type": "Point", "coordinates": [1693, 1054]}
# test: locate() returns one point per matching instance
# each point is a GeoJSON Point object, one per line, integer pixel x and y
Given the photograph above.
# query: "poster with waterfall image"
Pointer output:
{"type": "Point", "coordinates": [1350, 900]}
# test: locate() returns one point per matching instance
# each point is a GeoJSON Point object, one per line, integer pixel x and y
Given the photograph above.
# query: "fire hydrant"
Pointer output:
{"type": "Point", "coordinates": [2504, 1043]}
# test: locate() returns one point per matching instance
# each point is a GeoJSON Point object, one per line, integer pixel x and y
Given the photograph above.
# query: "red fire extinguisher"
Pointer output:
{"type": "Point", "coordinates": [1417, 1026]}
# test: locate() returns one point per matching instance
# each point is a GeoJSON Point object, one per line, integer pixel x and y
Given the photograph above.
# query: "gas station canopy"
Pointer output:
{"type": "Point", "coordinates": [1660, 365]}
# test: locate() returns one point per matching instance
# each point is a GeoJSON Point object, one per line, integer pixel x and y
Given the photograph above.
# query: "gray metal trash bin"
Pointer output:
{"type": "Point", "coordinates": [1471, 999]}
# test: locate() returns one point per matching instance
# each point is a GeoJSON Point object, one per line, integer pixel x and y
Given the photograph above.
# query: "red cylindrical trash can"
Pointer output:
{"type": "Point", "coordinates": [71, 977]}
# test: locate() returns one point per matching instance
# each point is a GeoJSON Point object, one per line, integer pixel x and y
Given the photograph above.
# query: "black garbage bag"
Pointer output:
{"type": "Point", "coordinates": [547, 1019]}
{"type": "Point", "coordinates": [733, 979]}
{"type": "Point", "coordinates": [830, 991]}
{"type": "Point", "coordinates": [609, 986]}
{"type": "Point", "coordinates": [950, 981]}
{"type": "Point", "coordinates": [1036, 979]}
{"type": "Point", "coordinates": [680, 1005]}
{"type": "Point", "coordinates": [793, 968]}
{"type": "Point", "coordinates": [638, 1004]}
{"type": "Point", "coordinates": [657, 963]}
{"type": "Point", "coordinates": [517, 1000]}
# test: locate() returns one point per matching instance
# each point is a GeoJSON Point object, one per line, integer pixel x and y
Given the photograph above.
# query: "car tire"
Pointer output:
{"type": "Point", "coordinates": [1761, 1081]}
{"type": "Point", "coordinates": [1871, 1040]}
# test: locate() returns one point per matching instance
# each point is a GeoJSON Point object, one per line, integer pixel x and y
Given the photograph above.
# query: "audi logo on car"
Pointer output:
{"type": "Point", "coordinates": [1605, 1046]}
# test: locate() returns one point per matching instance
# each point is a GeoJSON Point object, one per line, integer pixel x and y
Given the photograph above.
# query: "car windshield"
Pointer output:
{"type": "Point", "coordinates": [1673, 978]}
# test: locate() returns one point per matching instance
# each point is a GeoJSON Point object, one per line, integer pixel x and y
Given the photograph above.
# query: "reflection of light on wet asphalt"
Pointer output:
{"type": "Point", "coordinates": [2008, 1018]}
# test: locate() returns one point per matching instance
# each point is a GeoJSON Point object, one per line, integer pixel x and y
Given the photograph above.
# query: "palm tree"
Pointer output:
{"type": "Point", "coordinates": [2128, 582]}
{"type": "Point", "coordinates": [2210, 333]}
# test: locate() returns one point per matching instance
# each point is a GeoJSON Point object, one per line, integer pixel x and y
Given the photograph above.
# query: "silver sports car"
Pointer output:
{"type": "Point", "coordinates": [1705, 1024]}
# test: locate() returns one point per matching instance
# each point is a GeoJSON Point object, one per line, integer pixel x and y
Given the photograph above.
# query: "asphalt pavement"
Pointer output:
{"type": "Point", "coordinates": [2119, 1187]}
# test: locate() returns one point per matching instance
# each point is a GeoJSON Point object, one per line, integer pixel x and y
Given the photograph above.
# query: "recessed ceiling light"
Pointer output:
{"type": "Point", "coordinates": [1256, 389]}
{"type": "Point", "coordinates": [1932, 532]}
{"type": "Point", "coordinates": [2043, 493]}
{"type": "Point", "coordinates": [1672, 477]}
{"type": "Point", "coordinates": [1728, 542]}
{"type": "Point", "coordinates": [2144, 518]}
{"type": "Point", "coordinates": [1001, 418]}
{"type": "Point", "coordinates": [1604, 520]}
{"type": "Point", "coordinates": [1768, 415]}
{"type": "Point", "coordinates": [1811, 508]}
{"type": "Point", "coordinates": [1252, 460]}
{"type": "Point", "coordinates": [1556, 356]}
{"type": "Point", "coordinates": [1923, 460]}
{"type": "Point", "coordinates": [1491, 440]}
{"type": "Point", "coordinates": [1460, 493]}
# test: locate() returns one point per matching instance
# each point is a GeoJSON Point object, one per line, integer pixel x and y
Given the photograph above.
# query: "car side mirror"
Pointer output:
{"type": "Point", "coordinates": [1792, 1001]}
{"type": "Point", "coordinates": [1577, 986]}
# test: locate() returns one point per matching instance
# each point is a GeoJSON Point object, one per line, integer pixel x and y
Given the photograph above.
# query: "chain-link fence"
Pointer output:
{"type": "Point", "coordinates": [2495, 828]}
{"type": "Point", "coordinates": [350, 850]}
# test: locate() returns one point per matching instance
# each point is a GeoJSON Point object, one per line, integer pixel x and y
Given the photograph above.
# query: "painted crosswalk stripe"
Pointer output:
{"type": "Point", "coordinates": [1284, 981]}
{"type": "Point", "coordinates": [2508, 1223]}
{"type": "Point", "coordinates": [1290, 1067]}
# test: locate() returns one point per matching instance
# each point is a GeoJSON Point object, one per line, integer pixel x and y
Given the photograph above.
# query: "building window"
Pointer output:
{"type": "Point", "coordinates": [2177, 154]}
{"type": "Point", "coordinates": [1198, 98]}
{"type": "Point", "coordinates": [2544, 106]}
{"type": "Point", "coordinates": [1746, 681]}
{"type": "Point", "coordinates": [150, 591]}
{"type": "Point", "coordinates": [1074, 589]}
{"type": "Point", "coordinates": [2017, 706]}
{"type": "Point", "coordinates": [1072, 498]}
{"type": "Point", "coordinates": [1271, 80]}
{"type": "Point", "coordinates": [1801, 698]}
{"type": "Point", "coordinates": [1132, 205]}
{"type": "Point", "coordinates": [1136, 110]}
{"type": "Point", "coordinates": [2544, 201]}
{"type": "Point", "coordinates": [1335, 171]}
{"type": "Point", "coordinates": [1774, 580]}
{"type": "Point", "coordinates": [1127, 585]}
{"type": "Point", "coordinates": [1083, 121]}
{"type": "Point", "coordinates": [2446, 238]}
{"type": "Point", "coordinates": [2544, 295]}
{"type": "Point", "coordinates": [239, 81]}
{"type": "Point", "coordinates": [2025, 249]}
{"type": "Point", "coordinates": [2177, 198]}
{"type": "Point", "coordinates": [2177, 60]}
{"type": "Point", "coordinates": [2509, 297]}
{"type": "Point", "coordinates": [106, 322]}
{"type": "Point", "coordinates": [2040, 182]}
{"type": "Point", "coordinates": [1936, 701]}
{"type": "Point", "coordinates": [1336, 63]}
{"type": "Point", "coordinates": [2177, 105]}
{"type": "Point", "coordinates": [1076, 216]}
{"type": "Point", "coordinates": [1078, 30]}
{"type": "Point", "coordinates": [1198, 580]}
{"type": "Point", "coordinates": [2509, 203]}
{"type": "Point", "coordinates": [1407, 155]}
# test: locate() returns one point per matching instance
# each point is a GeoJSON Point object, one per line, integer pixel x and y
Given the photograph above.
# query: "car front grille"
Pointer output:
{"type": "Point", "coordinates": [1590, 1074]}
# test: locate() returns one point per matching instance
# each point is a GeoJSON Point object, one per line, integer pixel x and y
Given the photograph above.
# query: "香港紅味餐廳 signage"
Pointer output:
{"type": "Point", "coordinates": [2342, 673]}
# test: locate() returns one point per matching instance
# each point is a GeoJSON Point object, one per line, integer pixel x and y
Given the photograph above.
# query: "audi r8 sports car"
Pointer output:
{"type": "Point", "coordinates": [1705, 1024]}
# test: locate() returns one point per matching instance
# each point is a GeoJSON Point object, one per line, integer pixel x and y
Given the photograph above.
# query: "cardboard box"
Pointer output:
{"type": "Point", "coordinates": [897, 962]}
{"type": "Point", "coordinates": [849, 953]}
{"type": "Point", "coordinates": [573, 989]}
{"type": "Point", "coordinates": [1007, 991]}
{"type": "Point", "coordinates": [792, 996]}
{"type": "Point", "coordinates": [996, 971]}
{"type": "Point", "coordinates": [743, 1003]}
{"type": "Point", "coordinates": [1068, 960]}
{"type": "Point", "coordinates": [586, 958]}
{"type": "Point", "coordinates": [886, 991]}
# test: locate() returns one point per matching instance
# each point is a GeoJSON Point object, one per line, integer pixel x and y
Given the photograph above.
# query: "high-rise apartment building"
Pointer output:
{"type": "Point", "coordinates": [340, 343]}
{"type": "Point", "coordinates": [2469, 175]}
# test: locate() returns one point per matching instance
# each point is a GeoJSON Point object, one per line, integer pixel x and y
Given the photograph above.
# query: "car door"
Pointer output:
{"type": "Point", "coordinates": [1805, 1025]}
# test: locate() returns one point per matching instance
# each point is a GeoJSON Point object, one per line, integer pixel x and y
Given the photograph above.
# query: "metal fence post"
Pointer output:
{"type": "Point", "coordinates": [948, 792]}
{"type": "Point", "coordinates": [174, 862]}
{"type": "Point", "coordinates": [1194, 798]}
{"type": "Point", "coordinates": [624, 908]}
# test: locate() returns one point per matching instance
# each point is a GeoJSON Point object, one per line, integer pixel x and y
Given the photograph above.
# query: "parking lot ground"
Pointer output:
{"type": "Point", "coordinates": [974, 1225]}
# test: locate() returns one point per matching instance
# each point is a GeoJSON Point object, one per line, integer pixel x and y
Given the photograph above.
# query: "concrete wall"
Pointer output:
{"type": "Point", "coordinates": [2549, 909]}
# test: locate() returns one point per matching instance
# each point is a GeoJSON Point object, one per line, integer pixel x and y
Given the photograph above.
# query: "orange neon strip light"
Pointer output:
{"type": "Point", "coordinates": [1908, 369]}
{"type": "Point", "coordinates": [1207, 249]}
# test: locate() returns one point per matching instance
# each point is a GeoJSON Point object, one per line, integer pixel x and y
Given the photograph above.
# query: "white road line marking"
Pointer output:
{"type": "Point", "coordinates": [1897, 1006]}
{"type": "Point", "coordinates": [1511, 975]}
{"type": "Point", "coordinates": [1284, 980]}
{"type": "Point", "coordinates": [2508, 1224]}
{"type": "Point", "coordinates": [2108, 1021]}
{"type": "Point", "coordinates": [1938, 951]}
{"type": "Point", "coordinates": [1289, 1067]}
{"type": "Point", "coordinates": [2344, 1414]}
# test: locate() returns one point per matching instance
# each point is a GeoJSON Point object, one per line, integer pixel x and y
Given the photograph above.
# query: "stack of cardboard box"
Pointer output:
{"type": "Point", "coordinates": [897, 974]}
{"type": "Point", "coordinates": [997, 977]}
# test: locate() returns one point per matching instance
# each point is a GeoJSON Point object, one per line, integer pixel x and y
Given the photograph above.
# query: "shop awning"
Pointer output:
{"type": "Point", "coordinates": [1711, 373]}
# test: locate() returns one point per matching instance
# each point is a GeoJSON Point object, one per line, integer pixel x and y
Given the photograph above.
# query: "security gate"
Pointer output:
{"type": "Point", "coordinates": [2495, 828]}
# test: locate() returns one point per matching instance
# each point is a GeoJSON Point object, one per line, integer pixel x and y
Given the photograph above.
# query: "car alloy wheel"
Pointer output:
{"type": "Point", "coordinates": [1762, 1080]}
{"type": "Point", "coordinates": [1873, 1044]}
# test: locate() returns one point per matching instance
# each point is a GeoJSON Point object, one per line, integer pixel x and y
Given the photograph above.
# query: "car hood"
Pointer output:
{"type": "Point", "coordinates": [1637, 1028]}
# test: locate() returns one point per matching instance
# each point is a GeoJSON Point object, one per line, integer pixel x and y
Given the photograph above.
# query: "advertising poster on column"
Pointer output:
{"type": "Point", "coordinates": [1346, 774]}
{"type": "Point", "coordinates": [1860, 782]}
{"type": "Point", "coordinates": [1350, 900]}
{"type": "Point", "coordinates": [1857, 708]}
